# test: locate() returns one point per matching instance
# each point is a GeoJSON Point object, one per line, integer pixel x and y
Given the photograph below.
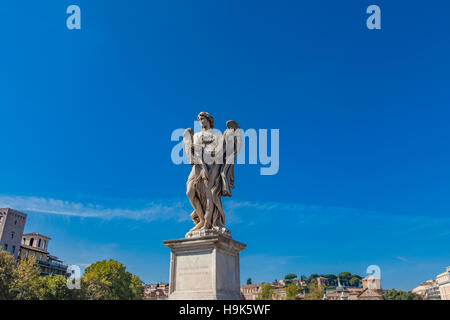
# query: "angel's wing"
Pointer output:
{"type": "Point", "coordinates": [233, 140]}
{"type": "Point", "coordinates": [188, 144]}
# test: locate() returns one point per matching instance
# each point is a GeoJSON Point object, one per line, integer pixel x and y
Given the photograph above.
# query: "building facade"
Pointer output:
{"type": "Point", "coordinates": [156, 291]}
{"type": "Point", "coordinates": [421, 289]}
{"type": "Point", "coordinates": [371, 290]}
{"type": "Point", "coordinates": [433, 292]}
{"type": "Point", "coordinates": [251, 291]}
{"type": "Point", "coordinates": [443, 281]}
{"type": "Point", "coordinates": [429, 290]}
{"type": "Point", "coordinates": [35, 245]}
{"type": "Point", "coordinates": [12, 224]}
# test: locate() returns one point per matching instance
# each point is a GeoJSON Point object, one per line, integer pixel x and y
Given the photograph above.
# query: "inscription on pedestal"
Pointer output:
{"type": "Point", "coordinates": [193, 271]}
{"type": "Point", "coordinates": [204, 268]}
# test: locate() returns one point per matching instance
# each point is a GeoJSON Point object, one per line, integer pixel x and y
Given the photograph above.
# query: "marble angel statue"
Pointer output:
{"type": "Point", "coordinates": [212, 156]}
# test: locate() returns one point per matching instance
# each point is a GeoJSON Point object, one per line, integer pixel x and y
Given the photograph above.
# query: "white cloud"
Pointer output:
{"type": "Point", "coordinates": [237, 211]}
{"type": "Point", "coordinates": [151, 211]}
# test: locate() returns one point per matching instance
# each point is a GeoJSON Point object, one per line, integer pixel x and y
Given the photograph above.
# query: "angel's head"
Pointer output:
{"type": "Point", "coordinates": [206, 120]}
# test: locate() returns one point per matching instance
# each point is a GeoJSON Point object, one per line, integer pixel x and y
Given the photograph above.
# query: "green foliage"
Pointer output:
{"type": "Point", "coordinates": [394, 294]}
{"type": "Point", "coordinates": [26, 281]}
{"type": "Point", "coordinates": [331, 279]}
{"type": "Point", "coordinates": [345, 278]}
{"type": "Point", "coordinates": [104, 280]}
{"type": "Point", "coordinates": [266, 292]}
{"type": "Point", "coordinates": [355, 281]}
{"type": "Point", "coordinates": [137, 288]}
{"type": "Point", "coordinates": [311, 277]}
{"type": "Point", "coordinates": [291, 291]}
{"type": "Point", "coordinates": [249, 281]}
{"type": "Point", "coordinates": [109, 280]}
{"type": "Point", "coordinates": [7, 264]}
{"type": "Point", "coordinates": [290, 276]}
{"type": "Point", "coordinates": [54, 287]}
{"type": "Point", "coordinates": [315, 293]}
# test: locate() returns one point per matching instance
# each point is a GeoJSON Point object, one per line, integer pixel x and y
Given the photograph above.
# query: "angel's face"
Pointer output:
{"type": "Point", "coordinates": [204, 122]}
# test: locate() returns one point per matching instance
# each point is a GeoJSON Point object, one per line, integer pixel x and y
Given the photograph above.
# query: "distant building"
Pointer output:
{"type": "Point", "coordinates": [371, 282]}
{"type": "Point", "coordinates": [371, 290]}
{"type": "Point", "coordinates": [251, 291]}
{"type": "Point", "coordinates": [321, 282]}
{"type": "Point", "coordinates": [433, 292]}
{"type": "Point", "coordinates": [422, 288]}
{"type": "Point", "coordinates": [156, 291]}
{"type": "Point", "coordinates": [443, 281]}
{"type": "Point", "coordinates": [35, 245]}
{"type": "Point", "coordinates": [12, 224]}
{"type": "Point", "coordinates": [300, 283]}
{"type": "Point", "coordinates": [438, 289]}
{"type": "Point", "coordinates": [278, 292]}
{"type": "Point", "coordinates": [429, 290]}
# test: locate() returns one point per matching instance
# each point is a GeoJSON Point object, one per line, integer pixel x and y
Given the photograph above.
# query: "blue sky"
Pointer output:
{"type": "Point", "coordinates": [363, 115]}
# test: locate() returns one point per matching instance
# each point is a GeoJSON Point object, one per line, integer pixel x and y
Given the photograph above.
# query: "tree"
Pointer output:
{"type": "Point", "coordinates": [7, 264]}
{"type": "Point", "coordinates": [54, 287]}
{"type": "Point", "coordinates": [249, 281]}
{"type": "Point", "coordinates": [109, 280]}
{"type": "Point", "coordinates": [94, 288]}
{"type": "Point", "coordinates": [331, 279]}
{"type": "Point", "coordinates": [311, 277]}
{"type": "Point", "coordinates": [355, 281]}
{"type": "Point", "coordinates": [345, 277]}
{"type": "Point", "coordinates": [26, 281]}
{"type": "Point", "coordinates": [289, 277]}
{"type": "Point", "coordinates": [394, 294]}
{"type": "Point", "coordinates": [137, 287]}
{"type": "Point", "coordinates": [315, 293]}
{"type": "Point", "coordinates": [291, 291]}
{"type": "Point", "coordinates": [266, 292]}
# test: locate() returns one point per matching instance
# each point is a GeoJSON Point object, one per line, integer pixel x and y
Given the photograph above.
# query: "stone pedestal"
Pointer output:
{"type": "Point", "coordinates": [204, 268]}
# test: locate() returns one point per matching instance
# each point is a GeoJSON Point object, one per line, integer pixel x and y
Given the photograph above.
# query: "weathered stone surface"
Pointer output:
{"type": "Point", "coordinates": [205, 268]}
{"type": "Point", "coordinates": [212, 156]}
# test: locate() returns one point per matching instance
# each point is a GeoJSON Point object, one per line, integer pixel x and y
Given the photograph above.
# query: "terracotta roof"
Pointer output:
{"type": "Point", "coordinates": [32, 248]}
{"type": "Point", "coordinates": [36, 234]}
{"type": "Point", "coordinates": [372, 293]}
{"type": "Point", "coordinates": [426, 283]}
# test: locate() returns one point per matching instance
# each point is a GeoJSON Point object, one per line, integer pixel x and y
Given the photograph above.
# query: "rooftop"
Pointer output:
{"type": "Point", "coordinates": [33, 248]}
{"type": "Point", "coordinates": [36, 235]}
{"type": "Point", "coordinates": [9, 210]}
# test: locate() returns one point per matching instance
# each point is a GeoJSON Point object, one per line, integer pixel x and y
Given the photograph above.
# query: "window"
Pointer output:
{"type": "Point", "coordinates": [31, 241]}
{"type": "Point", "coordinates": [45, 243]}
{"type": "Point", "coordinates": [5, 247]}
{"type": "Point", "coordinates": [39, 243]}
{"type": "Point", "coordinates": [34, 254]}
{"type": "Point", "coordinates": [12, 235]}
{"type": "Point", "coordinates": [41, 256]}
{"type": "Point", "coordinates": [13, 249]}
{"type": "Point", "coordinates": [26, 255]}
